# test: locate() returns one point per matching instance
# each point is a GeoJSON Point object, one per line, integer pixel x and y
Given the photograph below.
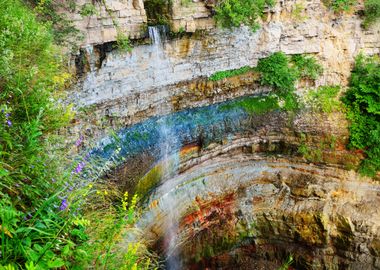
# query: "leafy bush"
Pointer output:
{"type": "Point", "coordinates": [324, 99]}
{"type": "Point", "coordinates": [123, 42]}
{"type": "Point", "coordinates": [229, 73]}
{"type": "Point", "coordinates": [110, 221]}
{"type": "Point", "coordinates": [371, 12]}
{"type": "Point", "coordinates": [340, 5]}
{"type": "Point", "coordinates": [88, 9]}
{"type": "Point", "coordinates": [363, 110]}
{"type": "Point", "coordinates": [235, 13]}
{"type": "Point", "coordinates": [276, 72]}
{"type": "Point", "coordinates": [306, 66]}
{"type": "Point", "coordinates": [158, 11]}
{"type": "Point", "coordinates": [63, 29]}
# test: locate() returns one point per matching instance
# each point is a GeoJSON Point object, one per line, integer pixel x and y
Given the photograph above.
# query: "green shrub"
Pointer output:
{"type": "Point", "coordinates": [306, 66]}
{"type": "Point", "coordinates": [371, 12]}
{"type": "Point", "coordinates": [88, 9]}
{"type": "Point", "coordinates": [229, 73]}
{"type": "Point", "coordinates": [123, 42]}
{"type": "Point", "coordinates": [340, 5]}
{"type": "Point", "coordinates": [276, 72]}
{"type": "Point", "coordinates": [64, 32]}
{"type": "Point", "coordinates": [281, 73]}
{"type": "Point", "coordinates": [158, 11]}
{"type": "Point", "coordinates": [324, 99]}
{"type": "Point", "coordinates": [363, 110]}
{"type": "Point", "coordinates": [235, 13]}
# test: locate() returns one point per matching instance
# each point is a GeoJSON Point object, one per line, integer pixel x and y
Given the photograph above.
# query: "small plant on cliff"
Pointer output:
{"type": "Point", "coordinates": [363, 110]}
{"type": "Point", "coordinates": [287, 264]}
{"type": "Point", "coordinates": [324, 99]}
{"type": "Point", "coordinates": [111, 216]}
{"type": "Point", "coordinates": [158, 11]}
{"type": "Point", "coordinates": [235, 13]}
{"type": "Point", "coordinates": [340, 5]}
{"type": "Point", "coordinates": [229, 73]}
{"type": "Point", "coordinates": [64, 32]}
{"type": "Point", "coordinates": [306, 66]}
{"type": "Point", "coordinates": [371, 12]}
{"type": "Point", "coordinates": [88, 9]}
{"type": "Point", "coordinates": [276, 72]}
{"type": "Point", "coordinates": [123, 42]}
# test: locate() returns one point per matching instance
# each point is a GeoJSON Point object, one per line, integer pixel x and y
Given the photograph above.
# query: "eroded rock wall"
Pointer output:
{"type": "Point", "coordinates": [240, 212]}
{"type": "Point", "coordinates": [154, 80]}
{"type": "Point", "coordinates": [97, 21]}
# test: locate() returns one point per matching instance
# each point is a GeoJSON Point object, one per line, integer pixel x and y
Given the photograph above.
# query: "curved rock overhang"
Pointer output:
{"type": "Point", "coordinates": [244, 211]}
{"type": "Point", "coordinates": [232, 191]}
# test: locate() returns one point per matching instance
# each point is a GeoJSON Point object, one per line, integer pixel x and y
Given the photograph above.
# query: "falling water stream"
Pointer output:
{"type": "Point", "coordinates": [169, 160]}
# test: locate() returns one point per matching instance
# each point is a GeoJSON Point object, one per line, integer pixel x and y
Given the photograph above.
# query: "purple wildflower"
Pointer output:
{"type": "Point", "coordinates": [87, 156]}
{"type": "Point", "coordinates": [7, 115]}
{"type": "Point", "coordinates": [79, 141]}
{"type": "Point", "coordinates": [63, 205]}
{"type": "Point", "coordinates": [9, 123]}
{"type": "Point", "coordinates": [79, 167]}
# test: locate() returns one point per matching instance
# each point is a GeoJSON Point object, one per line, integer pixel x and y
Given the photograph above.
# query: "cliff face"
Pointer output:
{"type": "Point", "coordinates": [233, 187]}
{"type": "Point", "coordinates": [146, 82]}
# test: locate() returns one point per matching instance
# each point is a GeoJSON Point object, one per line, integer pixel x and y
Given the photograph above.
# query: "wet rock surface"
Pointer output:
{"type": "Point", "coordinates": [240, 211]}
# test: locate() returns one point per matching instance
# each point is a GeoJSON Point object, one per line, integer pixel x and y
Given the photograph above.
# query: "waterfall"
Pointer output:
{"type": "Point", "coordinates": [169, 160]}
{"type": "Point", "coordinates": [157, 33]}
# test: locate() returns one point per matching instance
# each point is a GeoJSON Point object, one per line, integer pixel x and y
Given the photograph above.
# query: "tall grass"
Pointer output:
{"type": "Point", "coordinates": [42, 196]}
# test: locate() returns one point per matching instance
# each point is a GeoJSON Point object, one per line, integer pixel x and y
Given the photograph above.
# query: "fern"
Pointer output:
{"type": "Point", "coordinates": [363, 104]}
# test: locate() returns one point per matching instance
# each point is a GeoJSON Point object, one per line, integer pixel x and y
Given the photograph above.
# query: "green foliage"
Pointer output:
{"type": "Point", "coordinates": [340, 5]}
{"type": "Point", "coordinates": [371, 12]}
{"type": "Point", "coordinates": [123, 42]}
{"type": "Point", "coordinates": [363, 110]}
{"type": "Point", "coordinates": [235, 13]}
{"type": "Point", "coordinates": [41, 225]}
{"type": "Point", "coordinates": [287, 264]}
{"type": "Point", "coordinates": [306, 66]}
{"type": "Point", "coordinates": [64, 31]}
{"type": "Point", "coordinates": [276, 72]}
{"type": "Point", "coordinates": [297, 12]}
{"type": "Point", "coordinates": [324, 99]}
{"type": "Point", "coordinates": [279, 72]}
{"type": "Point", "coordinates": [263, 104]}
{"type": "Point", "coordinates": [88, 9]}
{"type": "Point", "coordinates": [112, 216]}
{"type": "Point", "coordinates": [229, 73]}
{"type": "Point", "coordinates": [27, 100]}
{"type": "Point", "coordinates": [186, 3]}
{"type": "Point", "coordinates": [158, 11]}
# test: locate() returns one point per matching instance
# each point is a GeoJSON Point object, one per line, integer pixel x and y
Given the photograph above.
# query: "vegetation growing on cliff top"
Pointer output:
{"type": "Point", "coordinates": [363, 110]}
{"type": "Point", "coordinates": [371, 12]}
{"type": "Point", "coordinates": [280, 72]}
{"type": "Point", "coordinates": [158, 11]}
{"type": "Point", "coordinates": [324, 99]}
{"type": "Point", "coordinates": [229, 73]}
{"type": "Point", "coordinates": [235, 13]}
{"type": "Point", "coordinates": [340, 5]}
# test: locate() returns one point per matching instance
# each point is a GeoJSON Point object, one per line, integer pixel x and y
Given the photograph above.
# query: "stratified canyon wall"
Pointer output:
{"type": "Point", "coordinates": [130, 86]}
{"type": "Point", "coordinates": [242, 194]}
